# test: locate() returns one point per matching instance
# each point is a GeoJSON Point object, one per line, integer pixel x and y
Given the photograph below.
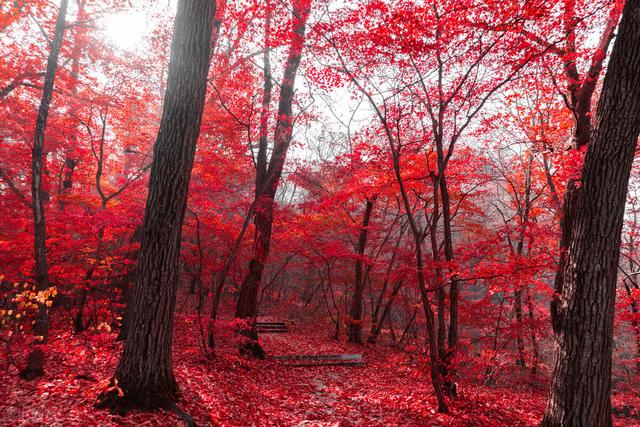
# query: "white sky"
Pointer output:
{"type": "Point", "coordinates": [126, 29]}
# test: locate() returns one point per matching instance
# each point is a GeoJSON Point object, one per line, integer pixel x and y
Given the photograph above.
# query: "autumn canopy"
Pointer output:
{"type": "Point", "coordinates": [319, 212]}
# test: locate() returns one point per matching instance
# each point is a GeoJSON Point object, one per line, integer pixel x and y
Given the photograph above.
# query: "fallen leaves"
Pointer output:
{"type": "Point", "coordinates": [232, 390]}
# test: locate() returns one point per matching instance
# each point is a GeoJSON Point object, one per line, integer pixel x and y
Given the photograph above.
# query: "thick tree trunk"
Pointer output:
{"type": "Point", "coordinates": [267, 184]}
{"type": "Point", "coordinates": [355, 314]}
{"type": "Point", "coordinates": [583, 312]}
{"type": "Point", "coordinates": [35, 362]}
{"type": "Point", "coordinates": [144, 377]}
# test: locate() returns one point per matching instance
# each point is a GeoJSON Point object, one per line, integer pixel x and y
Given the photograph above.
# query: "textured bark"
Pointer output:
{"type": "Point", "coordinates": [583, 314]}
{"type": "Point", "coordinates": [267, 181]}
{"type": "Point", "coordinates": [144, 377]}
{"type": "Point", "coordinates": [581, 90]}
{"type": "Point", "coordinates": [355, 314]}
{"type": "Point", "coordinates": [35, 362]}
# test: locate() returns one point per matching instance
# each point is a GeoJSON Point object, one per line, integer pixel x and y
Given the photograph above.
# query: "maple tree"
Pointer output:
{"type": "Point", "coordinates": [439, 187]}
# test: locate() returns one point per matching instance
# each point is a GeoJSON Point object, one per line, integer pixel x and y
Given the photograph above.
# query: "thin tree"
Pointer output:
{"type": "Point", "coordinates": [584, 310]}
{"type": "Point", "coordinates": [355, 325]}
{"type": "Point", "coordinates": [35, 362]}
{"type": "Point", "coordinates": [144, 377]}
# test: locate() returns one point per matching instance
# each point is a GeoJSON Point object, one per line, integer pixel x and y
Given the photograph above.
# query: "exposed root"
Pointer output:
{"type": "Point", "coordinates": [117, 403]}
{"type": "Point", "coordinates": [120, 403]}
{"type": "Point", "coordinates": [251, 348]}
{"type": "Point", "coordinates": [248, 343]}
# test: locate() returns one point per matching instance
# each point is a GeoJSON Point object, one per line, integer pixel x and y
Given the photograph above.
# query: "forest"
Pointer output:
{"type": "Point", "coordinates": [319, 212]}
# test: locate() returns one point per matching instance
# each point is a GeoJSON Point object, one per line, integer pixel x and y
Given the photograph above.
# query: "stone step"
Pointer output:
{"type": "Point", "coordinates": [321, 360]}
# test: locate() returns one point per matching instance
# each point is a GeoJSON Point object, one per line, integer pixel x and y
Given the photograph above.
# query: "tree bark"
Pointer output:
{"type": "Point", "coordinates": [144, 377]}
{"type": "Point", "coordinates": [35, 362]}
{"type": "Point", "coordinates": [584, 308]}
{"type": "Point", "coordinates": [266, 188]}
{"type": "Point", "coordinates": [355, 314]}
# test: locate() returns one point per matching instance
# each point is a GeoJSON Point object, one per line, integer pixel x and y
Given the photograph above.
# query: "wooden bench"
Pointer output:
{"type": "Point", "coordinates": [271, 327]}
{"type": "Point", "coordinates": [321, 360]}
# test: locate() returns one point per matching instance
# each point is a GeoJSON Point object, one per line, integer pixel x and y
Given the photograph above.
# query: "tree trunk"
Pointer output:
{"type": "Point", "coordinates": [144, 377]}
{"type": "Point", "coordinates": [534, 339]}
{"type": "Point", "coordinates": [65, 183]}
{"type": "Point", "coordinates": [266, 188]}
{"type": "Point", "coordinates": [355, 314]}
{"type": "Point", "coordinates": [375, 328]}
{"type": "Point", "coordinates": [246, 308]}
{"type": "Point", "coordinates": [432, 339]}
{"type": "Point", "coordinates": [78, 322]}
{"type": "Point", "coordinates": [35, 362]}
{"type": "Point", "coordinates": [454, 288]}
{"type": "Point", "coordinates": [583, 312]}
{"type": "Point", "coordinates": [376, 321]}
{"type": "Point", "coordinates": [517, 304]}
{"type": "Point", "coordinates": [636, 329]}
{"type": "Point", "coordinates": [523, 212]}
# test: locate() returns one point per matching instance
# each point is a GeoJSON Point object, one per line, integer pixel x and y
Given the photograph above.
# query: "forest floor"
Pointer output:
{"type": "Point", "coordinates": [236, 391]}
